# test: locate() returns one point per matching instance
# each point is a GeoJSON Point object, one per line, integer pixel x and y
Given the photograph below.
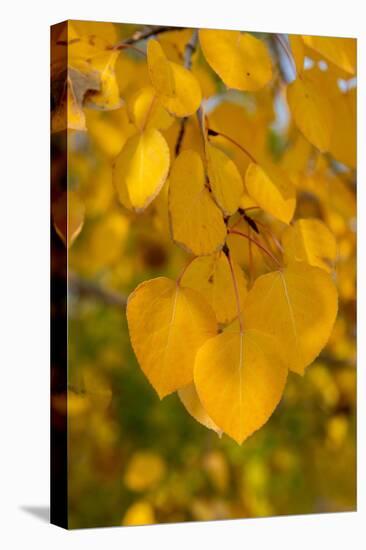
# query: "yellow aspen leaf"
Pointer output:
{"type": "Point", "coordinates": [178, 89]}
{"type": "Point", "coordinates": [271, 189]}
{"type": "Point", "coordinates": [147, 111]}
{"type": "Point", "coordinates": [144, 471]}
{"type": "Point", "coordinates": [189, 397]}
{"type": "Point", "coordinates": [167, 325]}
{"type": "Point", "coordinates": [141, 168]}
{"type": "Point", "coordinates": [298, 51]}
{"type": "Point", "coordinates": [242, 61]}
{"type": "Point", "coordinates": [240, 378]}
{"type": "Point", "coordinates": [139, 513]}
{"type": "Point", "coordinates": [211, 276]}
{"type": "Point", "coordinates": [312, 112]}
{"type": "Point", "coordinates": [160, 69]}
{"type": "Point", "coordinates": [310, 240]}
{"type": "Point", "coordinates": [196, 221]}
{"type": "Point", "coordinates": [174, 43]}
{"type": "Point", "coordinates": [343, 145]}
{"type": "Point", "coordinates": [225, 180]}
{"type": "Point", "coordinates": [68, 214]}
{"type": "Point", "coordinates": [342, 52]}
{"type": "Point", "coordinates": [298, 307]}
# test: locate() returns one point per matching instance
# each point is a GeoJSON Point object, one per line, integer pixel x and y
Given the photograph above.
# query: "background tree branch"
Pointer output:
{"type": "Point", "coordinates": [91, 289]}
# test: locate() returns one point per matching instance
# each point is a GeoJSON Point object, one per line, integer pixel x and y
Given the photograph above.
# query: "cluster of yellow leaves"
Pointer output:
{"type": "Point", "coordinates": [219, 335]}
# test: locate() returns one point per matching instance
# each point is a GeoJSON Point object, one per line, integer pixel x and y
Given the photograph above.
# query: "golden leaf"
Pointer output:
{"type": "Point", "coordinates": [196, 222]}
{"type": "Point", "coordinates": [140, 170]}
{"type": "Point", "coordinates": [189, 397]}
{"type": "Point", "coordinates": [225, 180]}
{"type": "Point", "coordinates": [240, 378]}
{"type": "Point", "coordinates": [310, 240]}
{"type": "Point", "coordinates": [241, 60]}
{"type": "Point", "coordinates": [211, 276]}
{"type": "Point", "coordinates": [298, 307]}
{"type": "Point", "coordinates": [167, 324]}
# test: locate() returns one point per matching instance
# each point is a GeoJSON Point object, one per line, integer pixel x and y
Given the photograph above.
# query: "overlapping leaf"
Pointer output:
{"type": "Point", "coordinates": [168, 323]}
{"type": "Point", "coordinates": [211, 276]}
{"type": "Point", "coordinates": [241, 60]}
{"type": "Point", "coordinates": [196, 221]}
{"type": "Point", "coordinates": [178, 89]}
{"type": "Point", "coordinates": [240, 377]}
{"type": "Point", "coordinates": [298, 307]}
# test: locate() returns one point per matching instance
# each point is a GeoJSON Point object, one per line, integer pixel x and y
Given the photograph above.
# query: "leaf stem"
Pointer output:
{"type": "Point", "coordinates": [254, 241]}
{"type": "Point", "coordinates": [245, 151]}
{"type": "Point", "coordinates": [132, 47]}
{"type": "Point", "coordinates": [143, 34]}
{"type": "Point", "coordinates": [187, 62]}
{"type": "Point", "coordinates": [250, 252]}
{"type": "Point", "coordinates": [179, 278]}
{"type": "Point", "coordinates": [236, 291]}
{"type": "Point", "coordinates": [284, 47]}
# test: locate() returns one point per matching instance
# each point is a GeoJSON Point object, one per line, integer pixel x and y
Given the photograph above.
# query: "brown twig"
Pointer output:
{"type": "Point", "coordinates": [90, 289]}
{"type": "Point", "coordinates": [254, 241]}
{"type": "Point", "coordinates": [236, 143]}
{"type": "Point", "coordinates": [144, 34]}
{"type": "Point", "coordinates": [187, 61]}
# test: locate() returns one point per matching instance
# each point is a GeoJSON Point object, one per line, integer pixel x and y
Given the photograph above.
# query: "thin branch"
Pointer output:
{"type": "Point", "coordinates": [190, 49]}
{"type": "Point", "coordinates": [236, 290]}
{"type": "Point", "coordinates": [180, 137]}
{"type": "Point", "coordinates": [236, 143]}
{"type": "Point", "coordinates": [144, 34]}
{"type": "Point", "coordinates": [254, 241]}
{"type": "Point", "coordinates": [187, 61]}
{"type": "Point", "coordinates": [90, 289]}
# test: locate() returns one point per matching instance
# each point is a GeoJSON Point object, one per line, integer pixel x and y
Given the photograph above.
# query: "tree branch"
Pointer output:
{"type": "Point", "coordinates": [90, 289]}
{"type": "Point", "coordinates": [145, 33]}
{"type": "Point", "coordinates": [187, 62]}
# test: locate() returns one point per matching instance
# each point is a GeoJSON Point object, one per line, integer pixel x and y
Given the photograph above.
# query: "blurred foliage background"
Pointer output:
{"type": "Point", "coordinates": [134, 459]}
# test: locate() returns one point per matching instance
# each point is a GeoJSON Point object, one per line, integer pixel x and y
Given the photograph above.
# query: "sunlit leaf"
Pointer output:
{"type": "Point", "coordinates": [196, 222]}
{"type": "Point", "coordinates": [240, 378]}
{"type": "Point", "coordinates": [241, 60]}
{"type": "Point", "coordinates": [176, 86]}
{"type": "Point", "coordinates": [225, 180]}
{"type": "Point", "coordinates": [340, 51]}
{"type": "Point", "coordinates": [211, 276]}
{"type": "Point", "coordinates": [271, 190]}
{"type": "Point", "coordinates": [312, 112]}
{"type": "Point", "coordinates": [189, 397]}
{"type": "Point", "coordinates": [298, 307]}
{"type": "Point", "coordinates": [168, 323]}
{"type": "Point", "coordinates": [141, 168]}
{"type": "Point", "coordinates": [147, 111]}
{"type": "Point", "coordinates": [310, 240]}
